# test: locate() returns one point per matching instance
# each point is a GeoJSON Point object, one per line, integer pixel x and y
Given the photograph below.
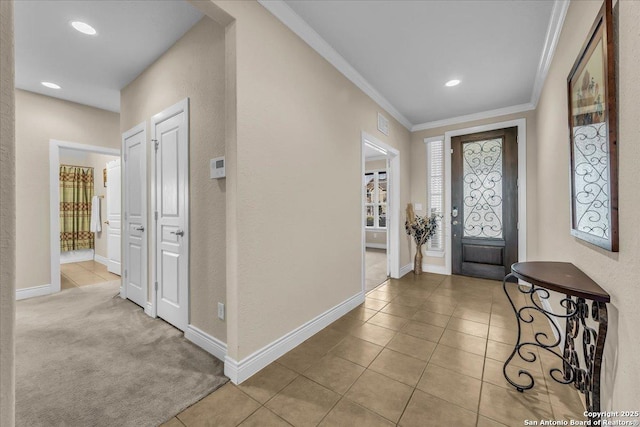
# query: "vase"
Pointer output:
{"type": "Point", "coordinates": [417, 262]}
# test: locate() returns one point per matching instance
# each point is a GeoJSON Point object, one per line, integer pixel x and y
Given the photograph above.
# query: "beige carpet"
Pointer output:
{"type": "Point", "coordinates": [85, 358]}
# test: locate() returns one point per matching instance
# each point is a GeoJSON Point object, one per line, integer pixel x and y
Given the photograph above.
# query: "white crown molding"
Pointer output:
{"type": "Point", "coordinates": [295, 23]}
{"type": "Point", "coordinates": [558, 14]}
{"type": "Point", "coordinates": [475, 116]}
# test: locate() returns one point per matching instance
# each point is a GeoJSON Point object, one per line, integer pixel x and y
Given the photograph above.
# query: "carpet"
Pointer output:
{"type": "Point", "coordinates": [87, 358]}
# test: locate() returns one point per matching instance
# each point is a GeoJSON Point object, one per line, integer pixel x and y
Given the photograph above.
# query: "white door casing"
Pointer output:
{"type": "Point", "coordinates": [114, 217]}
{"type": "Point", "coordinates": [135, 230]}
{"type": "Point", "coordinates": [170, 145]}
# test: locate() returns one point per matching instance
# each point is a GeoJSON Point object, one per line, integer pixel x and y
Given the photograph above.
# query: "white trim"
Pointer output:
{"type": "Point", "coordinates": [406, 269]}
{"type": "Point", "coordinates": [434, 254]}
{"type": "Point", "coordinates": [100, 259]}
{"type": "Point", "coordinates": [295, 23]}
{"type": "Point", "coordinates": [521, 124]}
{"type": "Point", "coordinates": [436, 269]}
{"type": "Point", "coordinates": [34, 291]}
{"type": "Point", "coordinates": [148, 309]}
{"type": "Point", "coordinates": [167, 113]}
{"type": "Point", "coordinates": [242, 370]}
{"type": "Point", "coordinates": [54, 199]}
{"type": "Point", "coordinates": [376, 245]}
{"type": "Point", "coordinates": [208, 343]}
{"type": "Point", "coordinates": [374, 159]}
{"type": "Point", "coordinates": [475, 116]}
{"type": "Point", "coordinates": [79, 255]}
{"type": "Point", "coordinates": [558, 14]}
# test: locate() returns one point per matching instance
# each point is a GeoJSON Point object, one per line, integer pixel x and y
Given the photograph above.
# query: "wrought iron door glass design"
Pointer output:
{"type": "Point", "coordinates": [482, 188]}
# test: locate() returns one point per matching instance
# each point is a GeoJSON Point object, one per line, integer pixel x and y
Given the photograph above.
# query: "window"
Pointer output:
{"type": "Point", "coordinates": [435, 189]}
{"type": "Point", "coordinates": [375, 205]}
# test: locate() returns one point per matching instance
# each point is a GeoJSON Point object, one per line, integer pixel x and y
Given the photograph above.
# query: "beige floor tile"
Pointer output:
{"type": "Point", "coordinates": [453, 387]}
{"type": "Point", "coordinates": [425, 410]}
{"type": "Point", "coordinates": [511, 407]}
{"type": "Point", "coordinates": [373, 333]}
{"type": "Point", "coordinates": [361, 313]}
{"type": "Point", "coordinates": [91, 265]}
{"type": "Point", "coordinates": [509, 336]}
{"type": "Point", "coordinates": [500, 351]}
{"type": "Point", "coordinates": [173, 422]}
{"type": "Point", "coordinates": [302, 357]}
{"type": "Point", "coordinates": [71, 267]}
{"type": "Point", "coordinates": [488, 422]}
{"type": "Point", "coordinates": [412, 346]}
{"type": "Point", "coordinates": [373, 304]}
{"type": "Point", "coordinates": [437, 307]}
{"type": "Point", "coordinates": [264, 418]}
{"type": "Point", "coordinates": [381, 295]}
{"type": "Point", "coordinates": [327, 338]}
{"type": "Point", "coordinates": [85, 278]}
{"type": "Point", "coordinates": [441, 299]}
{"type": "Point", "coordinates": [458, 361]}
{"type": "Point", "coordinates": [465, 342]}
{"type": "Point", "coordinates": [268, 382]}
{"type": "Point", "coordinates": [468, 327]}
{"type": "Point", "coordinates": [434, 319]}
{"type": "Point", "coordinates": [473, 315]}
{"type": "Point", "coordinates": [561, 412]}
{"type": "Point", "coordinates": [107, 275]}
{"type": "Point", "coordinates": [347, 323]}
{"type": "Point", "coordinates": [335, 373]}
{"type": "Point", "coordinates": [303, 402]}
{"type": "Point", "coordinates": [423, 331]}
{"type": "Point", "coordinates": [357, 350]}
{"type": "Point", "coordinates": [347, 413]}
{"type": "Point", "coordinates": [66, 283]}
{"type": "Point", "coordinates": [388, 321]}
{"type": "Point", "coordinates": [399, 310]}
{"type": "Point", "coordinates": [493, 373]}
{"type": "Point", "coordinates": [408, 301]}
{"type": "Point", "coordinates": [227, 406]}
{"type": "Point", "coordinates": [380, 394]}
{"type": "Point", "coordinates": [507, 321]}
{"type": "Point", "coordinates": [398, 366]}
{"type": "Point", "coordinates": [564, 397]}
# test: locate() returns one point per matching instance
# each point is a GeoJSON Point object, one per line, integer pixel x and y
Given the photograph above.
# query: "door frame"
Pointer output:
{"type": "Point", "coordinates": [179, 107]}
{"type": "Point", "coordinates": [393, 206]}
{"type": "Point", "coordinates": [141, 127]}
{"type": "Point", "coordinates": [521, 124]}
{"type": "Point", "coordinates": [54, 199]}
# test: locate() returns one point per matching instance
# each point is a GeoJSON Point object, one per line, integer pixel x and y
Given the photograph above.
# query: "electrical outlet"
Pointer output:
{"type": "Point", "coordinates": [221, 311]}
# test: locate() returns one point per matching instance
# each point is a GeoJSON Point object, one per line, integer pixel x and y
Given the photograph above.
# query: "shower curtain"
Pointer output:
{"type": "Point", "coordinates": [76, 191]}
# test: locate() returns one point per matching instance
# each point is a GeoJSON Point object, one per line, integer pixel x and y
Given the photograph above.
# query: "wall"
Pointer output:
{"type": "Point", "coordinates": [98, 163]}
{"type": "Point", "coordinates": [294, 113]}
{"type": "Point", "coordinates": [378, 237]}
{"type": "Point", "coordinates": [419, 169]}
{"type": "Point", "coordinates": [618, 272]}
{"type": "Point", "coordinates": [38, 119]}
{"type": "Point", "coordinates": [7, 217]}
{"type": "Point", "coordinates": [194, 68]}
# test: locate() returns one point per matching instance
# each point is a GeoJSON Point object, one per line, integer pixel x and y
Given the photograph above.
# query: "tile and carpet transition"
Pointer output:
{"type": "Point", "coordinates": [87, 357]}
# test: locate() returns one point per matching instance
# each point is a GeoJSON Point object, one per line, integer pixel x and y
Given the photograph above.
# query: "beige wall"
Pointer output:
{"type": "Point", "coordinates": [378, 237]}
{"type": "Point", "coordinates": [193, 68]}
{"type": "Point", "coordinates": [98, 163]}
{"type": "Point", "coordinates": [618, 272]}
{"type": "Point", "coordinates": [7, 217]}
{"type": "Point", "coordinates": [419, 169]}
{"type": "Point", "coordinates": [38, 119]}
{"type": "Point", "coordinates": [295, 114]}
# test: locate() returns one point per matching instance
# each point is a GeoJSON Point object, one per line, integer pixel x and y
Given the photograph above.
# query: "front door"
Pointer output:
{"type": "Point", "coordinates": [170, 135]}
{"type": "Point", "coordinates": [484, 203]}
{"type": "Point", "coordinates": [114, 217]}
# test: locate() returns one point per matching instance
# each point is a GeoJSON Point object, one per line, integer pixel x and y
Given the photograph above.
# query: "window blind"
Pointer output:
{"type": "Point", "coordinates": [435, 188]}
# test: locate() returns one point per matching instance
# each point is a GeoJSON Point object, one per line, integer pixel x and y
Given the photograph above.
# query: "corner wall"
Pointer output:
{"type": "Point", "coordinates": [618, 272]}
{"type": "Point", "coordinates": [7, 217]}
{"type": "Point", "coordinates": [40, 118]}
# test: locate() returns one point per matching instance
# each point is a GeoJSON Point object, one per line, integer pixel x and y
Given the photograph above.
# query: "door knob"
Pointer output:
{"type": "Point", "coordinates": [141, 228]}
{"type": "Point", "coordinates": [177, 232]}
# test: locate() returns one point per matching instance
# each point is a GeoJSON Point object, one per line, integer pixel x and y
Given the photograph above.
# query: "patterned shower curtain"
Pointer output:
{"type": "Point", "coordinates": [76, 191]}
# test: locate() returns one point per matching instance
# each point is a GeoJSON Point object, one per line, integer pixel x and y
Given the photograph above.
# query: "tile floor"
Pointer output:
{"type": "Point", "coordinates": [421, 351]}
{"type": "Point", "coordinates": [84, 273]}
{"type": "Point", "coordinates": [375, 267]}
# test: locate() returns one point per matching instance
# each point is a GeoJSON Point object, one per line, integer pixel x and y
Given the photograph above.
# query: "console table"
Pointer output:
{"type": "Point", "coordinates": [583, 299]}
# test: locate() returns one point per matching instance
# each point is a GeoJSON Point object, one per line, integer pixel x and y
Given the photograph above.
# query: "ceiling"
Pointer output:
{"type": "Point", "coordinates": [407, 50]}
{"type": "Point", "coordinates": [92, 69]}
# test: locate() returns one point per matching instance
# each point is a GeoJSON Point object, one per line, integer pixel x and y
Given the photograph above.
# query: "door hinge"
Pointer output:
{"type": "Point", "coordinates": [156, 285]}
{"type": "Point", "coordinates": [125, 274]}
{"type": "Point", "coordinates": [156, 144]}
{"type": "Point", "coordinates": [518, 182]}
{"type": "Point", "coordinates": [155, 215]}
{"type": "Point", "coordinates": [517, 226]}
{"type": "Point", "coordinates": [452, 151]}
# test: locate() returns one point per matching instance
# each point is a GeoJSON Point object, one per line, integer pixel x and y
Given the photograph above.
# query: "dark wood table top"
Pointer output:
{"type": "Point", "coordinates": [562, 277]}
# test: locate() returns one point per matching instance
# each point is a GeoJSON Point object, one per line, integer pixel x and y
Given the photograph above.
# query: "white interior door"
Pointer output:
{"type": "Point", "coordinates": [114, 216]}
{"type": "Point", "coordinates": [135, 215]}
{"type": "Point", "coordinates": [170, 133]}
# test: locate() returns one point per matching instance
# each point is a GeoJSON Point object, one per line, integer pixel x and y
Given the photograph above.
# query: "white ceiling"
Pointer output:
{"type": "Point", "coordinates": [93, 69]}
{"type": "Point", "coordinates": [407, 50]}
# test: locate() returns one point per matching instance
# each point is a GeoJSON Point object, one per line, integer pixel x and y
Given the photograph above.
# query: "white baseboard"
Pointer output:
{"type": "Point", "coordinates": [376, 245]}
{"type": "Point", "coordinates": [148, 310]}
{"type": "Point", "coordinates": [206, 342]}
{"type": "Point", "coordinates": [102, 260]}
{"type": "Point", "coordinates": [35, 291]}
{"type": "Point", "coordinates": [244, 369]}
{"type": "Point", "coordinates": [79, 255]}
{"type": "Point", "coordinates": [406, 269]}
{"type": "Point", "coordinates": [436, 269]}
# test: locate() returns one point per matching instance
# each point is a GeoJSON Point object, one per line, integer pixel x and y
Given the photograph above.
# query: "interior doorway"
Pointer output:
{"type": "Point", "coordinates": [380, 222]}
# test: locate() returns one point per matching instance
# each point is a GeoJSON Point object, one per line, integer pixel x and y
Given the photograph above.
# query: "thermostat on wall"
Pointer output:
{"type": "Point", "coordinates": [217, 167]}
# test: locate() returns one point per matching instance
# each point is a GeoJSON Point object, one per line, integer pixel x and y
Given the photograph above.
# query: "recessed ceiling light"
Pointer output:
{"type": "Point", "coordinates": [452, 83]}
{"type": "Point", "coordinates": [50, 85]}
{"type": "Point", "coordinates": [84, 28]}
